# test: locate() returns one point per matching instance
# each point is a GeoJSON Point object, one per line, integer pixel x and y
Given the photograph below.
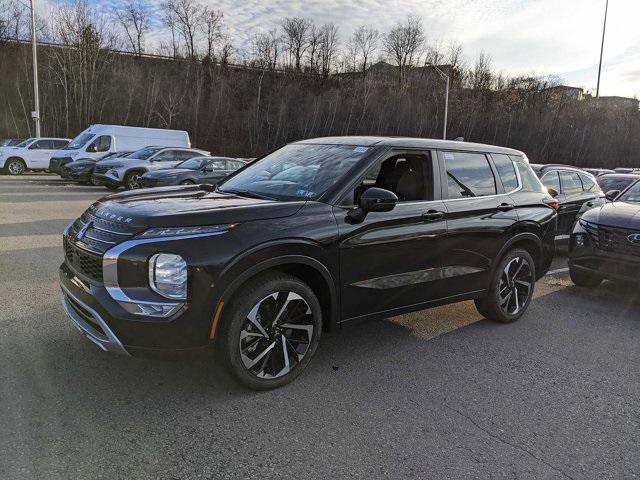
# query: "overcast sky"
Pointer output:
{"type": "Point", "coordinates": [560, 37]}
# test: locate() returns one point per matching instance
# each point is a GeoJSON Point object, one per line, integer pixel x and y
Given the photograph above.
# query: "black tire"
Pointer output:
{"type": "Point", "coordinates": [15, 166]}
{"type": "Point", "coordinates": [511, 288]}
{"type": "Point", "coordinates": [132, 180]}
{"type": "Point", "coordinates": [92, 180]}
{"type": "Point", "coordinates": [275, 347]}
{"type": "Point", "coordinates": [187, 182]}
{"type": "Point", "coordinates": [584, 279]}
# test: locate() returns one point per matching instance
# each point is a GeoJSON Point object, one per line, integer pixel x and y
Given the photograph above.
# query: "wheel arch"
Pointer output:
{"type": "Point", "coordinates": [308, 269]}
{"type": "Point", "coordinates": [528, 241]}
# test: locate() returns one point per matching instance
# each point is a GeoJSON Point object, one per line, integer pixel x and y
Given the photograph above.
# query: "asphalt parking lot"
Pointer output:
{"type": "Point", "coordinates": [436, 394]}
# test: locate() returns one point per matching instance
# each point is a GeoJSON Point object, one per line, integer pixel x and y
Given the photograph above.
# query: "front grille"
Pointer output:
{"type": "Point", "coordinates": [612, 240]}
{"type": "Point", "coordinates": [101, 170]}
{"type": "Point", "coordinates": [90, 237]}
{"type": "Point", "coordinates": [82, 261]}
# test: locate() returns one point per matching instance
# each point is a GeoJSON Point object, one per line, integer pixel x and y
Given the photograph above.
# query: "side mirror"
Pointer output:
{"type": "Point", "coordinates": [377, 200]}
{"type": "Point", "coordinates": [611, 195]}
{"type": "Point", "coordinates": [552, 192]}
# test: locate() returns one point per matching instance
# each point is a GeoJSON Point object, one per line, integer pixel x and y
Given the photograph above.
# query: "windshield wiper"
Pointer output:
{"type": "Point", "coordinates": [246, 193]}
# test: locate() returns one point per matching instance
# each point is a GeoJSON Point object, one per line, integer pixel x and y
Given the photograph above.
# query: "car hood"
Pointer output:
{"type": "Point", "coordinates": [170, 173]}
{"type": "Point", "coordinates": [120, 162]}
{"type": "Point", "coordinates": [188, 206]}
{"type": "Point", "coordinates": [81, 163]}
{"type": "Point", "coordinates": [615, 214]}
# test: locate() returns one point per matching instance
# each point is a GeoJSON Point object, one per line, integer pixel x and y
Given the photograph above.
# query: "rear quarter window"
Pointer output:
{"type": "Point", "coordinates": [530, 181]}
{"type": "Point", "coordinates": [506, 171]}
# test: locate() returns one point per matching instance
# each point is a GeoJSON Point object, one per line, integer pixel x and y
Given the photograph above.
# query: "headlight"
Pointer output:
{"type": "Point", "coordinates": [113, 173]}
{"type": "Point", "coordinates": [181, 231]}
{"type": "Point", "coordinates": [168, 275]}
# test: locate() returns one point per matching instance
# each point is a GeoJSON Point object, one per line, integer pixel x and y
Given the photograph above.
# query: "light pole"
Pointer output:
{"type": "Point", "coordinates": [36, 101]}
{"type": "Point", "coordinates": [446, 98]}
{"type": "Point", "coordinates": [604, 29]}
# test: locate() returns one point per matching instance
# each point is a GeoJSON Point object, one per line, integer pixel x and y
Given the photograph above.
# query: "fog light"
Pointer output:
{"type": "Point", "coordinates": [168, 275]}
{"type": "Point", "coordinates": [579, 239]}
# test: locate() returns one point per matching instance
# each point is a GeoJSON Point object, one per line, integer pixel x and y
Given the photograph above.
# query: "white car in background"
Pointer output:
{"type": "Point", "coordinates": [127, 171]}
{"type": "Point", "coordinates": [32, 154]}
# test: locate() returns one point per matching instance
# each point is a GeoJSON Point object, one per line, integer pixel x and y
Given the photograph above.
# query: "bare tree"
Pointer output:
{"type": "Point", "coordinates": [266, 49]}
{"type": "Point", "coordinates": [170, 20]}
{"type": "Point", "coordinates": [365, 42]}
{"type": "Point", "coordinates": [135, 18]}
{"type": "Point", "coordinates": [226, 49]}
{"type": "Point", "coordinates": [314, 38]}
{"type": "Point", "coordinates": [481, 77]}
{"type": "Point", "coordinates": [188, 18]}
{"type": "Point", "coordinates": [212, 26]}
{"type": "Point", "coordinates": [328, 47]}
{"type": "Point", "coordinates": [404, 43]}
{"type": "Point", "coordinates": [296, 31]}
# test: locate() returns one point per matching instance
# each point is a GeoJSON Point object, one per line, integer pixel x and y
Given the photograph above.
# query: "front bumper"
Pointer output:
{"type": "Point", "coordinates": [106, 180]}
{"type": "Point", "coordinates": [77, 175]}
{"type": "Point", "coordinates": [606, 264]}
{"type": "Point", "coordinates": [90, 323]}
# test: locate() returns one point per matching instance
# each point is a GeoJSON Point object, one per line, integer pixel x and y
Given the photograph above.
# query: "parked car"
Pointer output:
{"type": "Point", "coordinates": [81, 170]}
{"type": "Point", "coordinates": [605, 243]}
{"type": "Point", "coordinates": [575, 190]}
{"type": "Point", "coordinates": [624, 170]}
{"type": "Point", "coordinates": [195, 170]}
{"type": "Point", "coordinates": [616, 182]}
{"type": "Point", "coordinates": [128, 171]}
{"type": "Point", "coordinates": [312, 235]}
{"type": "Point", "coordinates": [99, 140]}
{"type": "Point", "coordinates": [32, 154]}
{"type": "Point", "coordinates": [596, 172]}
{"type": "Point", "coordinates": [11, 142]}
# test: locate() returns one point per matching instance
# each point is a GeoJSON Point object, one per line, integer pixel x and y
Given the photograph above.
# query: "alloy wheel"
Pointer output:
{"type": "Point", "coordinates": [15, 167]}
{"type": "Point", "coordinates": [135, 181]}
{"type": "Point", "coordinates": [515, 285]}
{"type": "Point", "coordinates": [276, 335]}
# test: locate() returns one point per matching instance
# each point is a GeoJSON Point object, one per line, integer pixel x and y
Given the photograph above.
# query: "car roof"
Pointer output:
{"type": "Point", "coordinates": [621, 175]}
{"type": "Point", "coordinates": [409, 142]}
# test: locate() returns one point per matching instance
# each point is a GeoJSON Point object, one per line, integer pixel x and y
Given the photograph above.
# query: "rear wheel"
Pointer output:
{"type": "Point", "coordinates": [15, 166]}
{"type": "Point", "coordinates": [271, 331]}
{"type": "Point", "coordinates": [584, 279]}
{"type": "Point", "coordinates": [511, 288]}
{"type": "Point", "coordinates": [133, 180]}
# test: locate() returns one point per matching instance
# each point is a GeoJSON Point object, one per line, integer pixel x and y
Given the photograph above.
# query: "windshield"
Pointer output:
{"type": "Point", "coordinates": [197, 163]}
{"type": "Point", "coordinates": [631, 195]}
{"type": "Point", "coordinates": [144, 153]}
{"type": "Point", "coordinates": [296, 172]}
{"type": "Point", "coordinates": [78, 142]}
{"type": "Point", "coordinates": [614, 182]}
{"type": "Point", "coordinates": [25, 142]}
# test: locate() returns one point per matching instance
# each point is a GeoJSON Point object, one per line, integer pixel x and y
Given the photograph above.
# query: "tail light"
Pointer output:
{"type": "Point", "coordinates": [553, 203]}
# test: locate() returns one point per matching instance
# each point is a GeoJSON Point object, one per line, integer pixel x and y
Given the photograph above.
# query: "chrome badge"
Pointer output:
{"type": "Point", "coordinates": [634, 238]}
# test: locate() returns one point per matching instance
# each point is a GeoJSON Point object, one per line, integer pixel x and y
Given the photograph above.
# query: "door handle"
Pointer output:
{"type": "Point", "coordinates": [505, 207]}
{"type": "Point", "coordinates": [432, 215]}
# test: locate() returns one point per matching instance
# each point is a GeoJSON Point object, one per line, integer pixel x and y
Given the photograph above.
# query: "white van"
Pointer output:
{"type": "Point", "coordinates": [98, 140]}
{"type": "Point", "coordinates": [31, 154]}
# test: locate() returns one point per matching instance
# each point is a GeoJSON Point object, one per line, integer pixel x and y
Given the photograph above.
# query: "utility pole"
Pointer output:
{"type": "Point", "coordinates": [446, 98]}
{"type": "Point", "coordinates": [36, 101]}
{"type": "Point", "coordinates": [604, 29]}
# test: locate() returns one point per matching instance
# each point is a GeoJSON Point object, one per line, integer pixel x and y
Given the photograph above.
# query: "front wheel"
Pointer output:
{"type": "Point", "coordinates": [133, 180]}
{"type": "Point", "coordinates": [270, 331]}
{"type": "Point", "coordinates": [15, 166]}
{"type": "Point", "coordinates": [511, 288]}
{"type": "Point", "coordinates": [584, 279]}
{"type": "Point", "coordinates": [187, 182]}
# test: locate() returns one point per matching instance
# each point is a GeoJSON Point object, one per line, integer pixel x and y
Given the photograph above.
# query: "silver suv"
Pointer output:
{"type": "Point", "coordinates": [127, 171]}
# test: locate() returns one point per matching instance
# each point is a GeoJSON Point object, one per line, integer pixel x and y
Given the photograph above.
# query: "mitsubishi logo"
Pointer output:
{"type": "Point", "coordinates": [634, 238]}
{"type": "Point", "coordinates": [83, 230]}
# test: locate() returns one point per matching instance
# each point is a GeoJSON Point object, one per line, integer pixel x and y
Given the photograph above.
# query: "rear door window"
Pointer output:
{"type": "Point", "coordinates": [506, 171]}
{"type": "Point", "coordinates": [166, 156]}
{"type": "Point", "coordinates": [185, 155]}
{"type": "Point", "coordinates": [571, 183]}
{"type": "Point", "coordinates": [41, 145]}
{"type": "Point", "coordinates": [218, 165]}
{"type": "Point", "coordinates": [59, 143]}
{"type": "Point", "coordinates": [468, 175]}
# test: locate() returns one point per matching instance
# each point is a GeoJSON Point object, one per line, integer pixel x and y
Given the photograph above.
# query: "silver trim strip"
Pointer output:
{"type": "Point", "coordinates": [110, 270]}
{"type": "Point", "coordinates": [108, 342]}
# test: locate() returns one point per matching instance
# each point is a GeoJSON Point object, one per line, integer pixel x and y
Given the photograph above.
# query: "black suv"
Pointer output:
{"type": "Point", "coordinates": [575, 191]}
{"type": "Point", "coordinates": [605, 242]}
{"type": "Point", "coordinates": [311, 235]}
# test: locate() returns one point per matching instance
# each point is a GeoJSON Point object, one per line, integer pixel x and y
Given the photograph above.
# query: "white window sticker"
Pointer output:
{"type": "Point", "coordinates": [360, 149]}
{"type": "Point", "coordinates": [448, 156]}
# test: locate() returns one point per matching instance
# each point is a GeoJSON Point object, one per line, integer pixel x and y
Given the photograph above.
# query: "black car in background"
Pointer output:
{"type": "Point", "coordinates": [605, 243]}
{"type": "Point", "coordinates": [614, 183]}
{"type": "Point", "coordinates": [314, 234]}
{"type": "Point", "coordinates": [596, 172]}
{"type": "Point", "coordinates": [81, 170]}
{"type": "Point", "coordinates": [575, 190]}
{"type": "Point", "coordinates": [195, 170]}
